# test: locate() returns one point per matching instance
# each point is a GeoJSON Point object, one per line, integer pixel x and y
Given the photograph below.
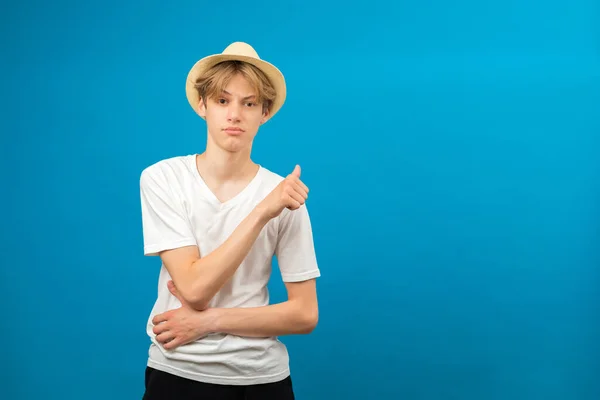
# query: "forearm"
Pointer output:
{"type": "Point", "coordinates": [287, 318]}
{"type": "Point", "coordinates": [211, 272]}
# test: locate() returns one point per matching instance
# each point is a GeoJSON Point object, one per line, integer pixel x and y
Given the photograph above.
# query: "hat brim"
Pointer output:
{"type": "Point", "coordinates": [272, 72]}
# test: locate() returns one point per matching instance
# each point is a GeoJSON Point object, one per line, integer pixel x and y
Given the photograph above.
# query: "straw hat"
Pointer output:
{"type": "Point", "coordinates": [242, 52]}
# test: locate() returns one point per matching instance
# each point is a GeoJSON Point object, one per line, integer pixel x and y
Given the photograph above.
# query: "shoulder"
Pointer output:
{"type": "Point", "coordinates": [166, 169]}
{"type": "Point", "coordinates": [269, 178]}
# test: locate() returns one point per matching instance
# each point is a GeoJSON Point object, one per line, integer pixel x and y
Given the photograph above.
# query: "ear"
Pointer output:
{"type": "Point", "coordinates": [265, 117]}
{"type": "Point", "coordinates": [201, 108]}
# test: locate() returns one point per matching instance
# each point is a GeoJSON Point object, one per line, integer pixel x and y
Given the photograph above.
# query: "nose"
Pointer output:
{"type": "Point", "coordinates": [233, 112]}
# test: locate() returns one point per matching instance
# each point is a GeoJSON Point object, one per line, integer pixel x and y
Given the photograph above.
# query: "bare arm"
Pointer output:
{"type": "Point", "coordinates": [197, 278]}
{"type": "Point", "coordinates": [297, 315]}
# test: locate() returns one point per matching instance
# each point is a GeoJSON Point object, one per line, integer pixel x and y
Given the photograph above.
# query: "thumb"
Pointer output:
{"type": "Point", "coordinates": [174, 291]}
{"type": "Point", "coordinates": [296, 171]}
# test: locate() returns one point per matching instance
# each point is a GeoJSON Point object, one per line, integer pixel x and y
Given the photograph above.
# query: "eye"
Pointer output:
{"type": "Point", "coordinates": [222, 101]}
{"type": "Point", "coordinates": [250, 104]}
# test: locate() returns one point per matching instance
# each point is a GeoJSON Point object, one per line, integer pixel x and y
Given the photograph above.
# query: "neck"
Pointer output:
{"type": "Point", "coordinates": [221, 165]}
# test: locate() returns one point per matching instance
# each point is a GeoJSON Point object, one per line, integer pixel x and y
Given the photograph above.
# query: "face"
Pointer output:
{"type": "Point", "coordinates": [233, 118]}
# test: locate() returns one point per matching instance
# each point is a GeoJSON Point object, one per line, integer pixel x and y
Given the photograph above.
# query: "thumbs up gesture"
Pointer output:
{"type": "Point", "coordinates": [291, 193]}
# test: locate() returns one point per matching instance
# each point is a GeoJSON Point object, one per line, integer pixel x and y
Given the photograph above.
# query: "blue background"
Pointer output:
{"type": "Point", "coordinates": [451, 149]}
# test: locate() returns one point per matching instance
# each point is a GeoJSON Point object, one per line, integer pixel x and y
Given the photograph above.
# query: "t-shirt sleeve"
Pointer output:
{"type": "Point", "coordinates": [295, 249]}
{"type": "Point", "coordinates": [164, 223]}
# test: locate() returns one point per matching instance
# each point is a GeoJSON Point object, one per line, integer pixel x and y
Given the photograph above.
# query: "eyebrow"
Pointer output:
{"type": "Point", "coordinates": [245, 98]}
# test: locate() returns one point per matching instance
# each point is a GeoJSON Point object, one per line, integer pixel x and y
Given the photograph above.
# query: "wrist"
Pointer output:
{"type": "Point", "coordinates": [261, 214]}
{"type": "Point", "coordinates": [214, 320]}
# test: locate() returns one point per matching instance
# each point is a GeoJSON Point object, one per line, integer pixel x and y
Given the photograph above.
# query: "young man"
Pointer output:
{"type": "Point", "coordinates": [216, 220]}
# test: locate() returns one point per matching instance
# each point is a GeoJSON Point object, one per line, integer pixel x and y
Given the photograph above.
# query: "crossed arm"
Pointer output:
{"type": "Point", "coordinates": [297, 315]}
{"type": "Point", "coordinates": [196, 280]}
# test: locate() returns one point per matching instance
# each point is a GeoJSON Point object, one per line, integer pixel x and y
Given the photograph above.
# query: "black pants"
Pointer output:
{"type": "Point", "coordinates": [164, 386]}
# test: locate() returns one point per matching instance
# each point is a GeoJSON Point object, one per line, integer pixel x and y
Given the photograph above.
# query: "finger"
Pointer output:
{"type": "Point", "coordinates": [160, 318]}
{"type": "Point", "coordinates": [293, 205]}
{"type": "Point", "coordinates": [173, 289]}
{"type": "Point", "coordinates": [294, 201]}
{"type": "Point", "coordinates": [298, 188]}
{"type": "Point", "coordinates": [160, 328]}
{"type": "Point", "coordinates": [295, 194]}
{"type": "Point", "coordinates": [178, 341]}
{"type": "Point", "coordinates": [164, 337]}
{"type": "Point", "coordinates": [296, 172]}
{"type": "Point", "coordinates": [172, 344]}
{"type": "Point", "coordinates": [296, 180]}
{"type": "Point", "coordinates": [302, 185]}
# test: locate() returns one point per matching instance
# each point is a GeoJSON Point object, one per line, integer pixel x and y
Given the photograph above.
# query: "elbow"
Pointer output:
{"type": "Point", "coordinates": [194, 298]}
{"type": "Point", "coordinates": [309, 321]}
{"type": "Point", "coordinates": [199, 303]}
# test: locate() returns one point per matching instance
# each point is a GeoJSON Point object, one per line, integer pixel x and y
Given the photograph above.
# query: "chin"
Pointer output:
{"type": "Point", "coordinates": [235, 146]}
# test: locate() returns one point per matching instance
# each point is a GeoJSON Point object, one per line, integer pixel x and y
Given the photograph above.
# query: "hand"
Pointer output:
{"type": "Point", "coordinates": [291, 193]}
{"type": "Point", "coordinates": [183, 325]}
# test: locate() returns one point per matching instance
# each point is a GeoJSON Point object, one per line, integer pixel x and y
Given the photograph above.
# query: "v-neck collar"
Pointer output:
{"type": "Point", "coordinates": [209, 194]}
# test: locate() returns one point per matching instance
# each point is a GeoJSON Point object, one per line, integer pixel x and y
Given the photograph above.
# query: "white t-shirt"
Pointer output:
{"type": "Point", "coordinates": [178, 209]}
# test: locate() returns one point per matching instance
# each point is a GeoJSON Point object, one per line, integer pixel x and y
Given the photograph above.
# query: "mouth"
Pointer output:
{"type": "Point", "coordinates": [233, 131]}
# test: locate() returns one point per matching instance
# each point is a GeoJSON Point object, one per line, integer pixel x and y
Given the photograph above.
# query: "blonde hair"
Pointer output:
{"type": "Point", "coordinates": [212, 83]}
